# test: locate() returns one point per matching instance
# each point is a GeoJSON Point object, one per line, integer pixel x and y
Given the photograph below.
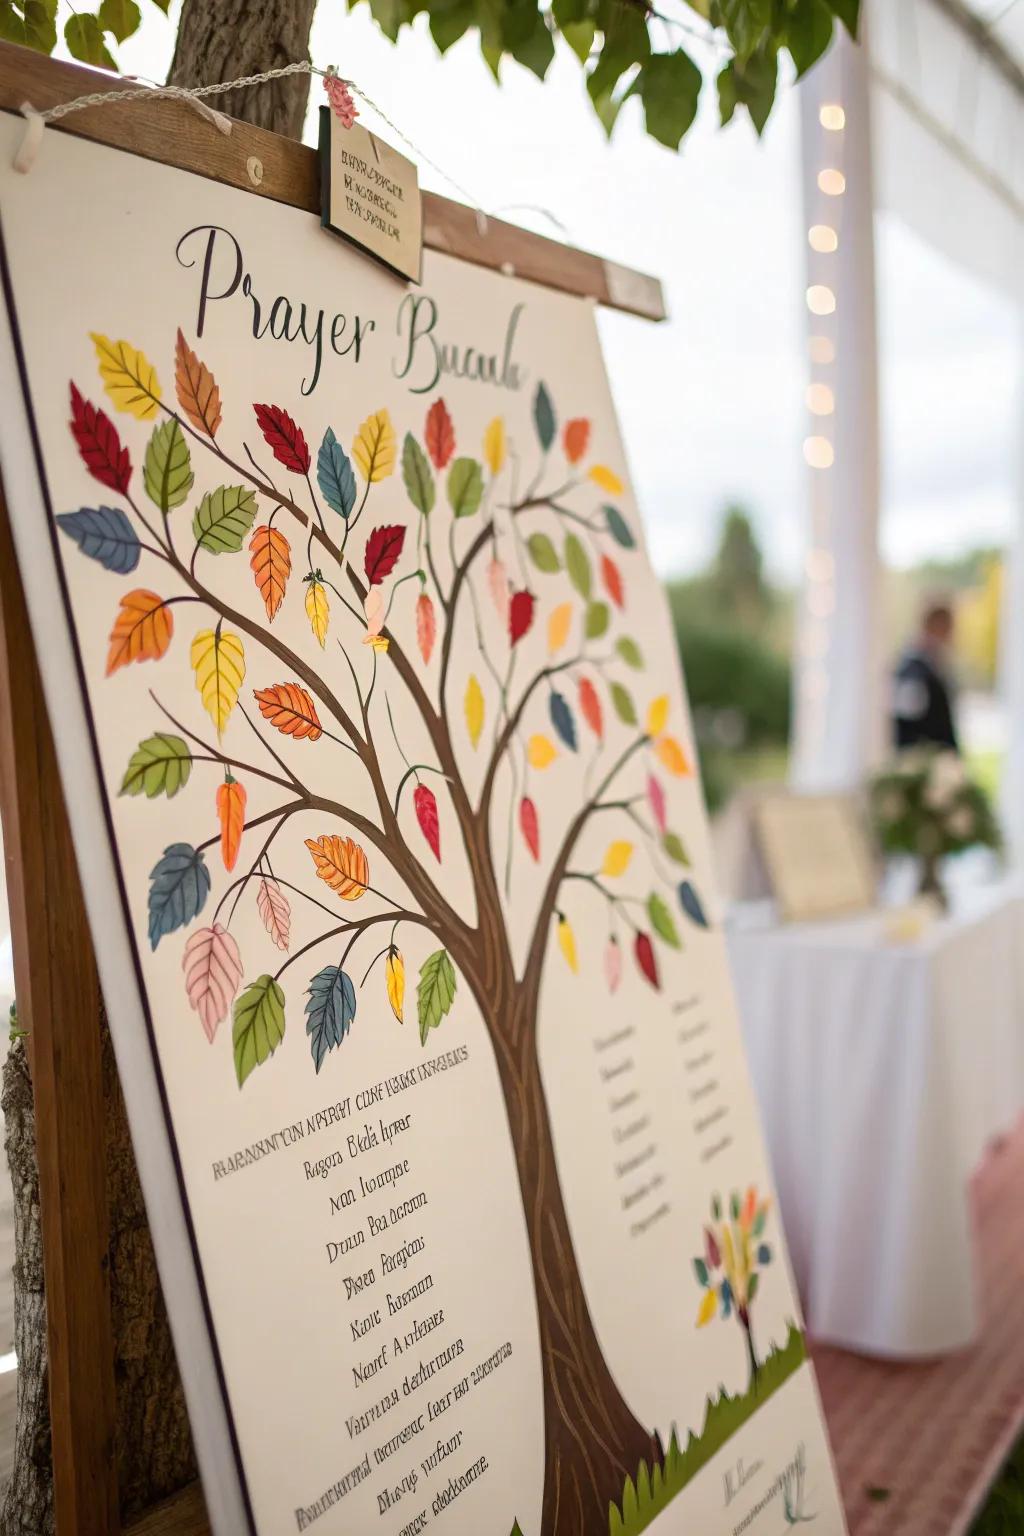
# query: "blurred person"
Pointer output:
{"type": "Point", "coordinates": [923, 689]}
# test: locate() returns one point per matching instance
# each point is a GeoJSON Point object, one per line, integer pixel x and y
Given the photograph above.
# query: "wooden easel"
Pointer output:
{"type": "Point", "coordinates": [55, 971]}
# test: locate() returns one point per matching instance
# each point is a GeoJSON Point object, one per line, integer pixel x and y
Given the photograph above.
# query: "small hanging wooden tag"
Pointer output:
{"type": "Point", "coordinates": [370, 195]}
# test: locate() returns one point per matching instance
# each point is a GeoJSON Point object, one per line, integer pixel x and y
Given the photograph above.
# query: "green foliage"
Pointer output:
{"type": "Point", "coordinates": [1003, 1514]}
{"type": "Point", "coordinates": [925, 803]}
{"type": "Point", "coordinates": [654, 1489]}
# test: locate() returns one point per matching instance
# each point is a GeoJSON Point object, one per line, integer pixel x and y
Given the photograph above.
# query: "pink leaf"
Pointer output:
{"type": "Point", "coordinates": [426, 815]}
{"type": "Point", "coordinates": [426, 626]}
{"type": "Point", "coordinates": [497, 580]}
{"type": "Point", "coordinates": [440, 434]}
{"type": "Point", "coordinates": [275, 913]}
{"type": "Point", "coordinates": [520, 615]}
{"type": "Point", "coordinates": [374, 609]}
{"type": "Point", "coordinates": [613, 964]}
{"type": "Point", "coordinates": [284, 438]}
{"type": "Point", "coordinates": [530, 826]}
{"type": "Point", "coordinates": [383, 548]}
{"type": "Point", "coordinates": [711, 1249]}
{"type": "Point", "coordinates": [213, 971]}
{"type": "Point", "coordinates": [656, 801]}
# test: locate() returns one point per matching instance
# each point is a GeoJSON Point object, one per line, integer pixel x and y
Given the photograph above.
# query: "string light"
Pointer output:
{"type": "Point", "coordinates": [820, 300]}
{"type": "Point", "coordinates": [832, 182]}
{"type": "Point", "coordinates": [822, 238]}
{"type": "Point", "coordinates": [822, 349]}
{"type": "Point", "coordinates": [818, 452]}
{"type": "Point", "coordinates": [832, 117]}
{"type": "Point", "coordinates": [820, 399]}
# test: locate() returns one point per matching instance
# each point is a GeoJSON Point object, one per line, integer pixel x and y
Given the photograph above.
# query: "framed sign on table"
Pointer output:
{"type": "Point", "coordinates": [380, 776]}
{"type": "Point", "coordinates": [817, 854]}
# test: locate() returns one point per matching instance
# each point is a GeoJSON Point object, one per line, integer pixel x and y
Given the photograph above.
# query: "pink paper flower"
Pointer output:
{"type": "Point", "coordinates": [340, 98]}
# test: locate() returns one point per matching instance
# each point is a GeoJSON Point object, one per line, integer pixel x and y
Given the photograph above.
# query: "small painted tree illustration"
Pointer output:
{"type": "Point", "coordinates": [729, 1268]}
{"type": "Point", "coordinates": [395, 653]}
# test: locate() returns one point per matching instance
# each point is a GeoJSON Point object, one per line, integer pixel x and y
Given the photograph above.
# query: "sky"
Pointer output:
{"type": "Point", "coordinates": [711, 401]}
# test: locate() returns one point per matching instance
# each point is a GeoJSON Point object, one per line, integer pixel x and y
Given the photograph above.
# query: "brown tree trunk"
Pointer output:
{"type": "Point", "coordinates": [226, 39]}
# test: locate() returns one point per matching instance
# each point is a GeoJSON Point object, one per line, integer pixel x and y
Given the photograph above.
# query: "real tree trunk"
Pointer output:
{"type": "Point", "coordinates": [225, 39]}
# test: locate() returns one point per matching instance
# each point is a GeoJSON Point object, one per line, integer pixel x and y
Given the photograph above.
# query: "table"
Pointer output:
{"type": "Point", "coordinates": [883, 1072]}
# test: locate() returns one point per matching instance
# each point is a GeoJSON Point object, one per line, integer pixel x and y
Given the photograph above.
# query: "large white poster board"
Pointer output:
{"type": "Point", "coordinates": [381, 778]}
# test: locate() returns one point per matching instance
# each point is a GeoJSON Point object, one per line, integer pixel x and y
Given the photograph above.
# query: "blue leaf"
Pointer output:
{"type": "Point", "coordinates": [619, 528]}
{"type": "Point", "coordinates": [544, 417]}
{"type": "Point", "coordinates": [764, 1254]}
{"type": "Point", "coordinates": [691, 904]}
{"type": "Point", "coordinates": [725, 1292]}
{"type": "Point", "coordinates": [329, 1011]}
{"type": "Point", "coordinates": [104, 534]}
{"type": "Point", "coordinates": [180, 884]}
{"type": "Point", "coordinates": [334, 475]}
{"type": "Point", "coordinates": [562, 720]}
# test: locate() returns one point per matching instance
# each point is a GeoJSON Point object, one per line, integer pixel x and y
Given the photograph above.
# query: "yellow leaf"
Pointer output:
{"type": "Point", "coordinates": [374, 447]}
{"type": "Point", "coordinates": [607, 479]}
{"type": "Point", "coordinates": [708, 1307]}
{"type": "Point", "coordinates": [657, 715]}
{"type": "Point", "coordinates": [473, 704]}
{"type": "Point", "coordinates": [558, 626]}
{"type": "Point", "coordinates": [729, 1258]}
{"type": "Point", "coordinates": [394, 970]}
{"type": "Point", "coordinates": [494, 445]}
{"type": "Point", "coordinates": [128, 378]}
{"type": "Point", "coordinates": [567, 944]}
{"type": "Point", "coordinates": [616, 859]}
{"type": "Point", "coordinates": [671, 756]}
{"type": "Point", "coordinates": [540, 752]}
{"type": "Point", "coordinates": [218, 662]}
{"type": "Point", "coordinates": [317, 610]}
{"type": "Point", "coordinates": [377, 642]}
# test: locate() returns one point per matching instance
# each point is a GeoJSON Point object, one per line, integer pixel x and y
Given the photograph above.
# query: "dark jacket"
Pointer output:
{"type": "Point", "coordinates": [922, 704]}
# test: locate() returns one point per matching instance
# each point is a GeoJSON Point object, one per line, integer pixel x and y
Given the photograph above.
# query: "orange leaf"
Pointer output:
{"type": "Point", "coordinates": [342, 864]}
{"type": "Point", "coordinates": [671, 756]}
{"type": "Point", "coordinates": [231, 799]}
{"type": "Point", "coordinates": [142, 630]}
{"type": "Point", "coordinates": [196, 389]}
{"type": "Point", "coordinates": [590, 706]}
{"type": "Point", "coordinates": [575, 438]}
{"type": "Point", "coordinates": [612, 578]}
{"type": "Point", "coordinates": [271, 564]}
{"type": "Point", "coordinates": [290, 710]}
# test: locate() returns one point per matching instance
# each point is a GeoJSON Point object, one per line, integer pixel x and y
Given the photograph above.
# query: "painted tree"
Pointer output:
{"type": "Point", "coordinates": [729, 1269]}
{"type": "Point", "coordinates": [369, 591]}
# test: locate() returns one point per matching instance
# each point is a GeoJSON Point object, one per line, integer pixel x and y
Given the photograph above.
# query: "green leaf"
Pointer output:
{"type": "Point", "coordinates": [630, 652]}
{"type": "Point", "coordinates": [223, 518]}
{"type": "Point", "coordinates": [257, 1026]}
{"type": "Point", "coordinates": [700, 1269]}
{"type": "Point", "coordinates": [536, 51]}
{"type": "Point", "coordinates": [753, 1286]}
{"type": "Point", "coordinates": [808, 32]}
{"type": "Point", "coordinates": [622, 703]}
{"type": "Point", "coordinates": [596, 620]}
{"type": "Point", "coordinates": [716, 1208]}
{"type": "Point", "coordinates": [449, 20]}
{"type": "Point", "coordinates": [33, 25]}
{"type": "Point", "coordinates": [751, 85]}
{"type": "Point", "coordinates": [435, 992]}
{"type": "Point", "coordinates": [160, 765]}
{"type": "Point", "coordinates": [543, 553]}
{"type": "Point", "coordinates": [544, 417]}
{"type": "Point", "coordinates": [745, 22]}
{"type": "Point", "coordinates": [619, 528]}
{"type": "Point", "coordinates": [577, 563]}
{"type": "Point", "coordinates": [418, 476]}
{"type": "Point", "coordinates": [580, 37]}
{"type": "Point", "coordinates": [734, 1207]}
{"type": "Point", "coordinates": [85, 41]}
{"type": "Point", "coordinates": [759, 1223]}
{"type": "Point", "coordinates": [669, 87]}
{"type": "Point", "coordinates": [167, 473]}
{"type": "Point", "coordinates": [848, 12]}
{"type": "Point", "coordinates": [626, 42]}
{"type": "Point", "coordinates": [673, 845]}
{"type": "Point", "coordinates": [120, 18]}
{"type": "Point", "coordinates": [661, 921]}
{"type": "Point", "coordinates": [465, 487]}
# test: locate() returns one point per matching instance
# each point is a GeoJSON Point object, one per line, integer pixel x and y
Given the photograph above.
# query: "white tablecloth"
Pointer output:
{"type": "Point", "coordinates": [883, 1072]}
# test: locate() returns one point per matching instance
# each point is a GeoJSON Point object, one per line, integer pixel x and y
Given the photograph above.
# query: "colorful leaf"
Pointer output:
{"type": "Point", "coordinates": [708, 1308]}
{"type": "Point", "coordinates": [764, 1254]}
{"type": "Point", "coordinates": [128, 377]}
{"type": "Point", "coordinates": [613, 584]}
{"type": "Point", "coordinates": [213, 972]}
{"type": "Point", "coordinates": [383, 548]}
{"type": "Point", "coordinates": [616, 859]}
{"type": "Point", "coordinates": [543, 553]}
{"type": "Point", "coordinates": [425, 804]}
{"type": "Point", "coordinates": [426, 626]}
{"type": "Point", "coordinates": [700, 1269]}
{"type": "Point", "coordinates": [341, 864]}
{"type": "Point", "coordinates": [142, 630]}
{"type": "Point", "coordinates": [656, 801]}
{"type": "Point", "coordinates": [725, 1293]}
{"type": "Point", "coordinates": [394, 979]}
{"type": "Point", "coordinates": [562, 719]}
{"type": "Point", "coordinates": [318, 610]}
{"type": "Point", "coordinates": [99, 445]}
{"type": "Point", "coordinates": [465, 487]}
{"type": "Point", "coordinates": [559, 625]}
{"type": "Point", "coordinates": [329, 1011]}
{"type": "Point", "coordinates": [289, 709]}
{"type": "Point", "coordinates": [160, 765]}
{"type": "Point", "coordinates": [167, 468]}
{"type": "Point", "coordinates": [590, 707]}
{"type": "Point", "coordinates": [643, 953]}
{"type": "Point", "coordinates": [335, 476]}
{"type": "Point", "coordinates": [375, 447]}
{"type": "Point", "coordinates": [657, 715]}
{"type": "Point", "coordinates": [271, 564]}
{"type": "Point", "coordinates": [691, 904]}
{"type": "Point", "coordinates": [520, 615]}
{"type": "Point", "coordinates": [435, 992]}
{"type": "Point", "coordinates": [544, 417]}
{"type": "Point", "coordinates": [577, 563]}
{"type": "Point", "coordinates": [473, 707]}
{"type": "Point", "coordinates": [284, 438]}
{"type": "Point", "coordinates": [576, 438]}
{"type": "Point", "coordinates": [106, 535]}
{"type": "Point", "coordinates": [607, 479]}
{"type": "Point", "coordinates": [630, 652]}
{"type": "Point", "coordinates": [613, 964]}
{"type": "Point", "coordinates": [622, 703]}
{"type": "Point", "coordinates": [257, 1026]}
{"type": "Point", "coordinates": [218, 662]}
{"type": "Point", "coordinates": [231, 798]}
{"type": "Point", "coordinates": [567, 944]}
{"type": "Point", "coordinates": [419, 482]}
{"type": "Point", "coordinates": [530, 826]}
{"type": "Point", "coordinates": [196, 389]}
{"type": "Point", "coordinates": [540, 752]}
{"type": "Point", "coordinates": [440, 434]}
{"type": "Point", "coordinates": [223, 518]}
{"type": "Point", "coordinates": [673, 845]}
{"type": "Point", "coordinates": [375, 611]}
{"type": "Point", "coordinates": [596, 620]}
{"type": "Point", "coordinates": [619, 528]}
{"type": "Point", "coordinates": [274, 910]}
{"type": "Point", "coordinates": [671, 756]}
{"type": "Point", "coordinates": [711, 1249]}
{"type": "Point", "coordinates": [494, 445]}
{"type": "Point", "coordinates": [179, 883]}
{"type": "Point", "coordinates": [498, 585]}
{"type": "Point", "coordinates": [661, 921]}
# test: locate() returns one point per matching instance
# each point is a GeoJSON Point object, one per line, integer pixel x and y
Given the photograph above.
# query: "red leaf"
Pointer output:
{"type": "Point", "coordinates": [426, 815]}
{"type": "Point", "coordinates": [643, 950]}
{"type": "Point", "coordinates": [529, 826]}
{"type": "Point", "coordinates": [383, 548]}
{"type": "Point", "coordinates": [99, 445]}
{"type": "Point", "coordinates": [284, 438]}
{"type": "Point", "coordinates": [711, 1248]}
{"type": "Point", "coordinates": [656, 801]}
{"type": "Point", "coordinates": [440, 434]}
{"type": "Point", "coordinates": [612, 578]}
{"type": "Point", "coordinates": [575, 437]}
{"type": "Point", "coordinates": [590, 707]}
{"type": "Point", "coordinates": [520, 614]}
